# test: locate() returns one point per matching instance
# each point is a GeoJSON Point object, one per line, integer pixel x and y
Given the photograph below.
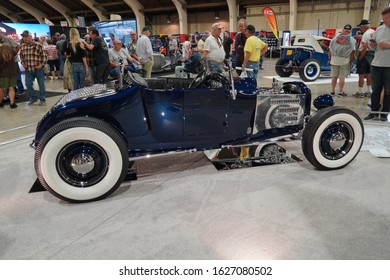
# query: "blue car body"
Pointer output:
{"type": "Point", "coordinates": [162, 120]}
{"type": "Point", "coordinates": [85, 142]}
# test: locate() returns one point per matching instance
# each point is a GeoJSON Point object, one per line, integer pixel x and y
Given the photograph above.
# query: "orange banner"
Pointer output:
{"type": "Point", "coordinates": [271, 19]}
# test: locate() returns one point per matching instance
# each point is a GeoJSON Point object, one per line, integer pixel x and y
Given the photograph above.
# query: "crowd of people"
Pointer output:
{"type": "Point", "coordinates": [245, 51]}
{"type": "Point", "coordinates": [370, 49]}
{"type": "Point", "coordinates": [84, 61]}
{"type": "Point", "coordinates": [81, 61]}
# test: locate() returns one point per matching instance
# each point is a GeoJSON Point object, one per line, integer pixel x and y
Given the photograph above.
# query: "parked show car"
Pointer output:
{"type": "Point", "coordinates": [308, 56]}
{"type": "Point", "coordinates": [161, 63]}
{"type": "Point", "coordinates": [85, 142]}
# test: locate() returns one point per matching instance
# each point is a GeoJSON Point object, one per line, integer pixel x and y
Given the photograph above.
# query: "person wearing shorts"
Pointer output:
{"type": "Point", "coordinates": [341, 54]}
{"type": "Point", "coordinates": [8, 73]}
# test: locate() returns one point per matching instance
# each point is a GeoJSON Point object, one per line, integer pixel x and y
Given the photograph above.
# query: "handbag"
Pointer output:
{"type": "Point", "coordinates": [88, 80]}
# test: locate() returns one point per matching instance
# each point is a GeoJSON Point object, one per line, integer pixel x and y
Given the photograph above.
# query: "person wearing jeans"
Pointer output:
{"type": "Point", "coordinates": [100, 54]}
{"type": "Point", "coordinates": [255, 67]}
{"type": "Point", "coordinates": [76, 52]}
{"type": "Point", "coordinates": [19, 83]}
{"type": "Point", "coordinates": [33, 59]}
{"type": "Point", "coordinates": [254, 49]}
{"type": "Point", "coordinates": [78, 74]}
{"type": "Point", "coordinates": [38, 74]}
{"type": "Point", "coordinates": [380, 69]}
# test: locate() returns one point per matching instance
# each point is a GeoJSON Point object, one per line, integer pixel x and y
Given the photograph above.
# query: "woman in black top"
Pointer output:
{"type": "Point", "coordinates": [77, 55]}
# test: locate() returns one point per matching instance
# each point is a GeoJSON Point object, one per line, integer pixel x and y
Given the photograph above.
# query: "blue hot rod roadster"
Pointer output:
{"type": "Point", "coordinates": [85, 142]}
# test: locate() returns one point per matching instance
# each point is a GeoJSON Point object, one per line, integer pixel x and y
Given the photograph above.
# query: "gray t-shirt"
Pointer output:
{"type": "Point", "coordinates": [115, 55]}
{"type": "Point", "coordinates": [341, 48]}
{"type": "Point", "coordinates": [382, 56]}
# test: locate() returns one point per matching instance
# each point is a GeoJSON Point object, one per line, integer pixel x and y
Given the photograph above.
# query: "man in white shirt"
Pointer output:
{"type": "Point", "coordinates": [213, 49]}
{"type": "Point", "coordinates": [172, 45]}
{"type": "Point", "coordinates": [145, 52]}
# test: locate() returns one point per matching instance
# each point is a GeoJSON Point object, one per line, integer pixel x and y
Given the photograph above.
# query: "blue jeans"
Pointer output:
{"type": "Point", "coordinates": [114, 71]}
{"type": "Point", "coordinates": [215, 67]}
{"type": "Point", "coordinates": [62, 62]}
{"type": "Point", "coordinates": [40, 76]}
{"type": "Point", "coordinates": [255, 67]}
{"type": "Point", "coordinates": [78, 74]}
{"type": "Point", "coordinates": [380, 78]}
{"type": "Point", "coordinates": [19, 83]}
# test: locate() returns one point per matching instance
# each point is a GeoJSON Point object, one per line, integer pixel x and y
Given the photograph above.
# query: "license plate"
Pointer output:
{"type": "Point", "coordinates": [289, 52]}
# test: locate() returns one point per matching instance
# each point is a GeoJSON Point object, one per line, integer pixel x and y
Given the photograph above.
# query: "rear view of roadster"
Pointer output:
{"type": "Point", "coordinates": [84, 144]}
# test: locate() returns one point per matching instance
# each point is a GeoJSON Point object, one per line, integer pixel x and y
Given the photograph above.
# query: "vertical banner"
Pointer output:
{"type": "Point", "coordinates": [271, 19]}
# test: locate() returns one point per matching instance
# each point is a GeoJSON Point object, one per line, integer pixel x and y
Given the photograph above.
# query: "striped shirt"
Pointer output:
{"type": "Point", "coordinates": [32, 56]}
{"type": "Point", "coordinates": [52, 52]}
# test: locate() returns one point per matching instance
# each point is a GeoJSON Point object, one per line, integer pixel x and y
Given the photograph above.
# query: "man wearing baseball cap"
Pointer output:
{"type": "Point", "coordinates": [33, 59]}
{"type": "Point", "coordinates": [364, 59]}
{"type": "Point", "coordinates": [144, 52]}
{"type": "Point", "coordinates": [254, 48]}
{"type": "Point", "coordinates": [341, 54]}
{"type": "Point", "coordinates": [213, 49]}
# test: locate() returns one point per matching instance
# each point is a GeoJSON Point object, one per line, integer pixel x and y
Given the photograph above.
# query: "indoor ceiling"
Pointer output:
{"type": "Point", "coordinates": [11, 9]}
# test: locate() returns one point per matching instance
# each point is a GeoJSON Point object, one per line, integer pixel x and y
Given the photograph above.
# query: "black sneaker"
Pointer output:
{"type": "Point", "coordinates": [371, 116]}
{"type": "Point", "coordinates": [332, 93]}
{"type": "Point", "coordinates": [32, 101]}
{"type": "Point", "coordinates": [13, 105]}
{"type": "Point", "coordinates": [1, 105]}
{"type": "Point", "coordinates": [384, 117]}
{"type": "Point", "coordinates": [342, 94]}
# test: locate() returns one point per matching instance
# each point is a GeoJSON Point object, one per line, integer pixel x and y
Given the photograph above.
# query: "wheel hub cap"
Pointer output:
{"type": "Point", "coordinates": [83, 163]}
{"type": "Point", "coordinates": [337, 141]}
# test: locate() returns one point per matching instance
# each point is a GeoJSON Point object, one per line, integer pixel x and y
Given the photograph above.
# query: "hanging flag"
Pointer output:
{"type": "Point", "coordinates": [271, 19]}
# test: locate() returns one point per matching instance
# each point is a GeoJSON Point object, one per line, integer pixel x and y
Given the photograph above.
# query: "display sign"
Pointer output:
{"type": "Point", "coordinates": [15, 29]}
{"type": "Point", "coordinates": [270, 16]}
{"type": "Point", "coordinates": [120, 28]}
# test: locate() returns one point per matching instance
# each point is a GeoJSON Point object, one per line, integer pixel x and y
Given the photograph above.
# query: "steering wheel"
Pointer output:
{"type": "Point", "coordinates": [137, 79]}
{"type": "Point", "coordinates": [199, 79]}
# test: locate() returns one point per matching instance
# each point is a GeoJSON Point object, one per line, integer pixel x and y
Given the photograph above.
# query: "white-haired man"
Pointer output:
{"type": "Point", "coordinates": [213, 49]}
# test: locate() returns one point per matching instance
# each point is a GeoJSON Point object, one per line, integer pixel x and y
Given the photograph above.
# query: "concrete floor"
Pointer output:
{"type": "Point", "coordinates": [181, 207]}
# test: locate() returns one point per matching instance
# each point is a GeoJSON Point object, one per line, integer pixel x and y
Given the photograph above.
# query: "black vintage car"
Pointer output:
{"type": "Point", "coordinates": [85, 142]}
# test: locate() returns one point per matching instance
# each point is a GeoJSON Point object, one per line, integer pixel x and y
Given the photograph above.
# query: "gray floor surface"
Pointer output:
{"type": "Point", "coordinates": [181, 207]}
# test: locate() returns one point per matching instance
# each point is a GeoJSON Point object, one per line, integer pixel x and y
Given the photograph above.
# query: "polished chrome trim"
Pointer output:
{"type": "Point", "coordinates": [163, 154]}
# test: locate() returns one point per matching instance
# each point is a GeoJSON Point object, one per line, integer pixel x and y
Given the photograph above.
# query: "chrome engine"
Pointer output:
{"type": "Point", "coordinates": [278, 111]}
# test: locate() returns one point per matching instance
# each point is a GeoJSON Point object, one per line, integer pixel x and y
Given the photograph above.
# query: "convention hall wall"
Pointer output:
{"type": "Point", "coordinates": [317, 16]}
